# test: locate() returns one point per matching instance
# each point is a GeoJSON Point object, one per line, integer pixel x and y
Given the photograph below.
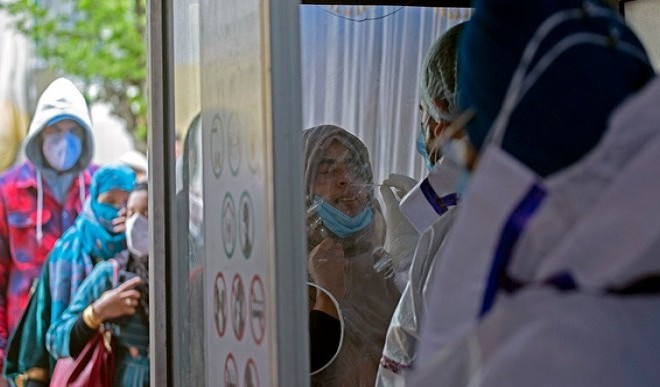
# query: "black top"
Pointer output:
{"type": "Point", "coordinates": [324, 333]}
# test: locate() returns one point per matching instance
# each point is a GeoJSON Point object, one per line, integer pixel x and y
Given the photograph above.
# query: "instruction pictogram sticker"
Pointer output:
{"type": "Point", "coordinates": [252, 150]}
{"type": "Point", "coordinates": [228, 225]}
{"type": "Point", "coordinates": [217, 156]}
{"type": "Point", "coordinates": [257, 309]}
{"type": "Point", "coordinates": [238, 311]}
{"type": "Point", "coordinates": [220, 307]}
{"type": "Point", "coordinates": [234, 144]}
{"type": "Point", "coordinates": [251, 376]}
{"type": "Point", "coordinates": [231, 372]}
{"type": "Point", "coordinates": [246, 224]}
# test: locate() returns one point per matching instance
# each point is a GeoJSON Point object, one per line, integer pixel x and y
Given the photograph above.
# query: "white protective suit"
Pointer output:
{"type": "Point", "coordinates": [599, 226]}
{"type": "Point", "coordinates": [403, 331]}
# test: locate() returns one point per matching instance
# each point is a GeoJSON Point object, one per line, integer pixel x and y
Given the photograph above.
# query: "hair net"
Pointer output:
{"type": "Point", "coordinates": [370, 297]}
{"type": "Point", "coordinates": [438, 77]}
{"type": "Point", "coordinates": [565, 112]}
{"type": "Point", "coordinates": [109, 177]}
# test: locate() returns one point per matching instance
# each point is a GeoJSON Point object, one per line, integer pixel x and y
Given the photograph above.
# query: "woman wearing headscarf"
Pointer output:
{"type": "Point", "coordinates": [345, 225]}
{"type": "Point", "coordinates": [99, 301]}
{"type": "Point", "coordinates": [96, 235]}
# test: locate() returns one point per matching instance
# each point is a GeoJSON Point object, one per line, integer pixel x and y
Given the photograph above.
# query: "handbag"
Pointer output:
{"type": "Point", "coordinates": [95, 364]}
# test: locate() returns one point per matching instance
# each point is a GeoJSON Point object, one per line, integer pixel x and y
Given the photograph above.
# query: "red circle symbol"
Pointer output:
{"type": "Point", "coordinates": [220, 305]}
{"type": "Point", "coordinates": [238, 311]}
{"type": "Point", "coordinates": [231, 372]}
{"type": "Point", "coordinates": [251, 376]}
{"type": "Point", "coordinates": [257, 309]}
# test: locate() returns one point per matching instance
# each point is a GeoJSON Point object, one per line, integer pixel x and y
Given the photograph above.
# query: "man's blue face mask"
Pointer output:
{"type": "Point", "coordinates": [421, 148]}
{"type": "Point", "coordinates": [338, 222]}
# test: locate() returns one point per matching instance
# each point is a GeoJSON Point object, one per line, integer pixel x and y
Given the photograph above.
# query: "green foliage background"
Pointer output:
{"type": "Point", "coordinates": [101, 43]}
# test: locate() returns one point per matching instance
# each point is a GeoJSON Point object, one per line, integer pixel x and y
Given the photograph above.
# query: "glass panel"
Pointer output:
{"type": "Point", "coordinates": [187, 287]}
{"type": "Point", "coordinates": [361, 70]}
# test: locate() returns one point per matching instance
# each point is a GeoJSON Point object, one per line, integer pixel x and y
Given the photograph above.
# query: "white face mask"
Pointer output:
{"type": "Point", "coordinates": [137, 235]}
{"type": "Point", "coordinates": [62, 150]}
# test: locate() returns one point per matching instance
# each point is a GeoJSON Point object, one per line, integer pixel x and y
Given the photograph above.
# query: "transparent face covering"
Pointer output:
{"type": "Point", "coordinates": [338, 171]}
{"type": "Point", "coordinates": [341, 201]}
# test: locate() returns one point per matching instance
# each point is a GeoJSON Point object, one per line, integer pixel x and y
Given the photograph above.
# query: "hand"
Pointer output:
{"type": "Point", "coordinates": [401, 237]}
{"type": "Point", "coordinates": [119, 223]}
{"type": "Point", "coordinates": [400, 184]}
{"type": "Point", "coordinates": [120, 301]}
{"type": "Point", "coordinates": [327, 267]}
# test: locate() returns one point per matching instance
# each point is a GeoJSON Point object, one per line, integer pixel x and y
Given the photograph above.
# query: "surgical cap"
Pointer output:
{"type": "Point", "coordinates": [438, 77]}
{"type": "Point", "coordinates": [565, 112]}
{"type": "Point", "coordinates": [109, 177]}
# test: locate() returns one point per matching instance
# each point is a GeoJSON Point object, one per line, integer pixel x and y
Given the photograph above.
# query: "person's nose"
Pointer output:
{"type": "Point", "coordinates": [342, 177]}
{"type": "Point", "coordinates": [342, 180]}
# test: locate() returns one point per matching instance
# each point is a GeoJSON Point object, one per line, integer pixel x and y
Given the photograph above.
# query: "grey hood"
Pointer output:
{"type": "Point", "coordinates": [61, 99]}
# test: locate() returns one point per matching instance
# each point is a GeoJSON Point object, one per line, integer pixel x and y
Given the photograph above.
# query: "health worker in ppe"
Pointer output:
{"type": "Point", "coordinates": [345, 226]}
{"type": "Point", "coordinates": [430, 206]}
{"type": "Point", "coordinates": [41, 197]}
{"type": "Point", "coordinates": [559, 280]}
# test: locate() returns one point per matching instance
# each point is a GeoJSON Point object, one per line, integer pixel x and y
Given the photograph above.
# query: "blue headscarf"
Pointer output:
{"type": "Point", "coordinates": [111, 177]}
{"type": "Point", "coordinates": [565, 113]}
{"type": "Point", "coordinates": [88, 241]}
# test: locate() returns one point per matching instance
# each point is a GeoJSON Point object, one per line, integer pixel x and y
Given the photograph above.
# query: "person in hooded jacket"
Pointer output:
{"type": "Point", "coordinates": [41, 197]}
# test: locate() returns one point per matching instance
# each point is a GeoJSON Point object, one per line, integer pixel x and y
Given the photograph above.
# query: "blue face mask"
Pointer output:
{"type": "Point", "coordinates": [421, 148]}
{"type": "Point", "coordinates": [62, 150]}
{"type": "Point", "coordinates": [105, 213]}
{"type": "Point", "coordinates": [339, 223]}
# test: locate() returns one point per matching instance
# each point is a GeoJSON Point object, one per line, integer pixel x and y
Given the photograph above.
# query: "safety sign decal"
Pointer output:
{"type": "Point", "coordinates": [220, 309]}
{"type": "Point", "coordinates": [217, 156]}
{"type": "Point", "coordinates": [238, 310]}
{"type": "Point", "coordinates": [246, 224]}
{"type": "Point", "coordinates": [251, 376]}
{"type": "Point", "coordinates": [257, 309]}
{"type": "Point", "coordinates": [231, 372]}
{"type": "Point", "coordinates": [228, 225]}
{"type": "Point", "coordinates": [234, 144]}
{"type": "Point", "coordinates": [253, 152]}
